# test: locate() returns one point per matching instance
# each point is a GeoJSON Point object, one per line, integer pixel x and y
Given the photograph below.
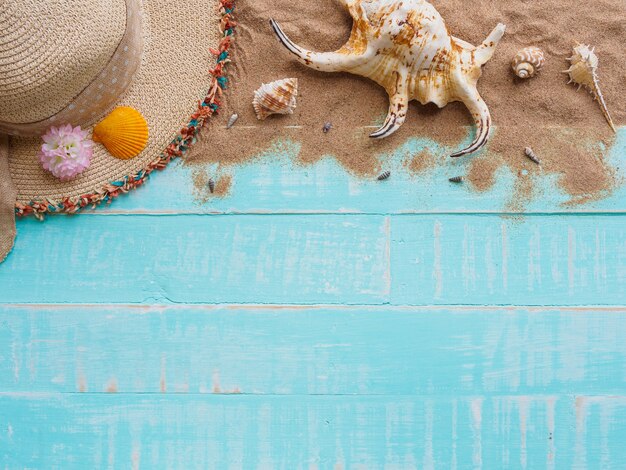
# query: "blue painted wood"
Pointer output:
{"type": "Point", "coordinates": [277, 185]}
{"type": "Point", "coordinates": [193, 431]}
{"type": "Point", "coordinates": [149, 259]}
{"type": "Point", "coordinates": [154, 377]}
{"type": "Point", "coordinates": [303, 351]}
{"type": "Point", "coordinates": [486, 260]}
{"type": "Point", "coordinates": [322, 259]}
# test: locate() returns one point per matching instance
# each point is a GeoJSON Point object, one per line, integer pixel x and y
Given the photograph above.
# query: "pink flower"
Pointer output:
{"type": "Point", "coordinates": [66, 151]}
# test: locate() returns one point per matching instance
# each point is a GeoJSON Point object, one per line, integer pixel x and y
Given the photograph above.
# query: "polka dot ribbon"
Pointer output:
{"type": "Point", "coordinates": [104, 90]}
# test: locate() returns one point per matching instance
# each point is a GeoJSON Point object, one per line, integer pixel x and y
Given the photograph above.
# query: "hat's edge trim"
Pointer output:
{"type": "Point", "coordinates": [177, 147]}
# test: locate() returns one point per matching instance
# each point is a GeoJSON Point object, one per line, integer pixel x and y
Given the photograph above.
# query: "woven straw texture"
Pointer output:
{"type": "Point", "coordinates": [86, 104]}
{"type": "Point", "coordinates": [43, 68]}
{"type": "Point", "coordinates": [172, 78]}
{"type": "Point", "coordinates": [7, 202]}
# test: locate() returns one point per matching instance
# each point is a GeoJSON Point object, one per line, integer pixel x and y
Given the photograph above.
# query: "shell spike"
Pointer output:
{"type": "Point", "coordinates": [395, 118]}
{"type": "Point", "coordinates": [485, 51]}
{"type": "Point", "coordinates": [480, 112]}
{"type": "Point", "coordinates": [605, 111]}
{"type": "Point", "coordinates": [323, 61]}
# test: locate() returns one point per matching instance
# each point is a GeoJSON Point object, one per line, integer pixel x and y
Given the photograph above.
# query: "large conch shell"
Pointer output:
{"type": "Point", "coordinates": [277, 97]}
{"type": "Point", "coordinates": [404, 46]}
{"type": "Point", "coordinates": [124, 133]}
{"type": "Point", "coordinates": [584, 72]}
{"type": "Point", "coordinates": [528, 62]}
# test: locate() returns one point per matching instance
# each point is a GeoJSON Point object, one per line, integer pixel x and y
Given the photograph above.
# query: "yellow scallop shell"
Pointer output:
{"type": "Point", "coordinates": [124, 132]}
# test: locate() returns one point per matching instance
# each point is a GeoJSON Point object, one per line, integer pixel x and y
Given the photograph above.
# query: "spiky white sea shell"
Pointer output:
{"type": "Point", "coordinates": [278, 97]}
{"type": "Point", "coordinates": [405, 47]}
{"type": "Point", "coordinates": [528, 61]}
{"type": "Point", "coordinates": [584, 72]}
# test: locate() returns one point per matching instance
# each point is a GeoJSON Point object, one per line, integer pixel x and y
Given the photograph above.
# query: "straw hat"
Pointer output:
{"type": "Point", "coordinates": [72, 62]}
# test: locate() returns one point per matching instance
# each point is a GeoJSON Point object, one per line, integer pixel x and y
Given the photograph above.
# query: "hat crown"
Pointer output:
{"type": "Point", "coordinates": [51, 51]}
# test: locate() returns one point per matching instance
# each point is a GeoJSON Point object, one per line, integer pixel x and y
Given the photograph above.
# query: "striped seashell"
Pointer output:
{"type": "Point", "coordinates": [531, 155]}
{"type": "Point", "coordinates": [277, 97]}
{"type": "Point", "coordinates": [384, 176]}
{"type": "Point", "coordinates": [124, 133]}
{"type": "Point", "coordinates": [232, 121]}
{"type": "Point", "coordinates": [528, 62]}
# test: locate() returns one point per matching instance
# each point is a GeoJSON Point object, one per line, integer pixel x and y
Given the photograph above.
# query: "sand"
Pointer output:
{"type": "Point", "coordinates": [564, 126]}
{"type": "Point", "coordinates": [221, 185]}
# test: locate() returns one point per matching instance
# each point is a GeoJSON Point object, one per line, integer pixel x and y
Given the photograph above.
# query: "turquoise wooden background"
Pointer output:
{"type": "Point", "coordinates": [311, 320]}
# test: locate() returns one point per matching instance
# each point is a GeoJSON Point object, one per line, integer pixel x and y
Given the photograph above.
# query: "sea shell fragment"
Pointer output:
{"type": "Point", "coordinates": [584, 72]}
{"type": "Point", "coordinates": [124, 132]}
{"type": "Point", "coordinates": [277, 97]}
{"type": "Point", "coordinates": [531, 155]}
{"type": "Point", "coordinates": [528, 62]}
{"type": "Point", "coordinates": [232, 121]}
{"type": "Point", "coordinates": [404, 46]}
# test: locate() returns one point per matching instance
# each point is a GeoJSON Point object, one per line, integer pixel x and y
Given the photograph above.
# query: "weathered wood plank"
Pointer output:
{"type": "Point", "coordinates": [321, 259]}
{"type": "Point", "coordinates": [278, 185]}
{"type": "Point", "coordinates": [562, 260]}
{"type": "Point", "coordinates": [303, 432]}
{"type": "Point", "coordinates": [135, 259]}
{"type": "Point", "coordinates": [298, 351]}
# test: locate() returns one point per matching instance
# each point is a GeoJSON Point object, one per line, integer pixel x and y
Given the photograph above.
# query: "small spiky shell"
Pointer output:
{"type": "Point", "coordinates": [124, 133]}
{"type": "Point", "coordinates": [528, 62]}
{"type": "Point", "coordinates": [584, 72]}
{"type": "Point", "coordinates": [277, 97]}
{"type": "Point", "coordinates": [584, 66]}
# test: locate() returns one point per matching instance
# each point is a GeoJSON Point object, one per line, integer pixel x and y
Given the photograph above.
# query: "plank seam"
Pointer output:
{"type": "Point", "coordinates": [260, 212]}
{"type": "Point", "coordinates": [314, 306]}
{"type": "Point", "coordinates": [538, 396]}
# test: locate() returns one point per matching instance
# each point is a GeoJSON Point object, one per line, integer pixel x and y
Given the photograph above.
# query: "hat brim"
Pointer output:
{"type": "Point", "coordinates": [177, 88]}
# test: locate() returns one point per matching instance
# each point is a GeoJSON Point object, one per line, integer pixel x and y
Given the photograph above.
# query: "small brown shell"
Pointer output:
{"type": "Point", "coordinates": [528, 62]}
{"type": "Point", "coordinates": [277, 97]}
